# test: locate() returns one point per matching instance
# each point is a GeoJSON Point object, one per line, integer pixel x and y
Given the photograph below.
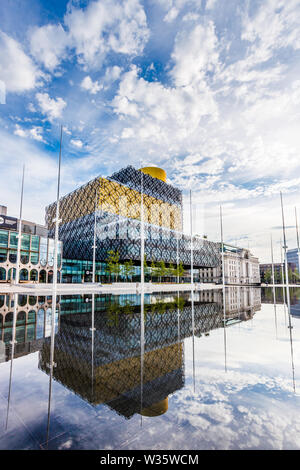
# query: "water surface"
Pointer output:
{"type": "Point", "coordinates": [175, 373]}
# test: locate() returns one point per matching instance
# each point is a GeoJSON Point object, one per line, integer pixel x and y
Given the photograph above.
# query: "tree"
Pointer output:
{"type": "Point", "coordinates": [268, 276]}
{"type": "Point", "coordinates": [179, 270]}
{"type": "Point", "coordinates": [128, 269]}
{"type": "Point", "coordinates": [146, 267]}
{"type": "Point", "coordinates": [162, 270]}
{"type": "Point", "coordinates": [153, 269]}
{"type": "Point", "coordinates": [113, 311]}
{"type": "Point", "coordinates": [113, 264]}
{"type": "Point", "coordinates": [172, 271]}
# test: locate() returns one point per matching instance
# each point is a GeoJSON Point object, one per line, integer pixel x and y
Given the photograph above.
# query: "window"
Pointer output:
{"type": "Point", "coordinates": [34, 275]}
{"type": "Point", "coordinates": [11, 274]}
{"type": "Point", "coordinates": [3, 255]}
{"type": "Point", "coordinates": [25, 242]}
{"type": "Point", "coordinates": [32, 299]}
{"type": "Point", "coordinates": [40, 323]}
{"type": "Point", "coordinates": [34, 258]}
{"type": "Point", "coordinates": [31, 316]}
{"type": "Point", "coordinates": [24, 257]}
{"type": "Point", "coordinates": [50, 252]}
{"type": "Point", "coordinates": [43, 251]}
{"type": "Point", "coordinates": [35, 243]}
{"type": "Point", "coordinates": [4, 238]}
{"type": "Point", "coordinates": [12, 256]}
{"type": "Point", "coordinates": [23, 275]}
{"type": "Point", "coordinates": [13, 240]}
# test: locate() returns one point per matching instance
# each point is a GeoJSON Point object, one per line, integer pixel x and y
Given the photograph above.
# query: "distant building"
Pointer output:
{"type": "Point", "coordinates": [293, 258]}
{"type": "Point", "coordinates": [241, 268]}
{"type": "Point", "coordinates": [266, 271]}
{"type": "Point", "coordinates": [37, 250]}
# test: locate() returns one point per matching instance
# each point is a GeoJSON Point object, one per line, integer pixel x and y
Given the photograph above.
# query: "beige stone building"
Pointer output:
{"type": "Point", "coordinates": [240, 265]}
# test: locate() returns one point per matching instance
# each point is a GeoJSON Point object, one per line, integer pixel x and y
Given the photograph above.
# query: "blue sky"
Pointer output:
{"type": "Point", "coordinates": [209, 90]}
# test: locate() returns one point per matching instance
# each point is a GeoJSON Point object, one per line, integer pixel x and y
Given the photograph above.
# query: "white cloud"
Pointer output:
{"type": "Point", "coordinates": [210, 4]}
{"type": "Point", "coordinates": [164, 117]}
{"type": "Point", "coordinates": [195, 53]}
{"type": "Point", "coordinates": [2, 92]}
{"type": "Point", "coordinates": [88, 84]}
{"type": "Point", "coordinates": [48, 45]}
{"type": "Point", "coordinates": [112, 74]}
{"type": "Point", "coordinates": [33, 133]}
{"type": "Point", "coordinates": [77, 143]}
{"type": "Point", "coordinates": [17, 70]}
{"type": "Point", "coordinates": [51, 107]}
{"type": "Point", "coordinates": [105, 26]}
{"type": "Point", "coordinates": [171, 15]}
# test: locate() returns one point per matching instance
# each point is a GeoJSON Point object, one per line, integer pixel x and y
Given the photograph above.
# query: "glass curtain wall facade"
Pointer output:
{"type": "Point", "coordinates": [37, 254]}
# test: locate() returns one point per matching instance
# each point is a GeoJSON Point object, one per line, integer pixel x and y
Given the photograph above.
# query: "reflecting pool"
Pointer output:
{"type": "Point", "coordinates": [162, 371]}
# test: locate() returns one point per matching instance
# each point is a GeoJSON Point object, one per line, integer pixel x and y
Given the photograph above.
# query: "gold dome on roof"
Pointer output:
{"type": "Point", "coordinates": [155, 172]}
{"type": "Point", "coordinates": [157, 409]}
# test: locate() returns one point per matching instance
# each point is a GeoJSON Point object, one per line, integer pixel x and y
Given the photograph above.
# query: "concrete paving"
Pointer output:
{"type": "Point", "coordinates": [90, 288]}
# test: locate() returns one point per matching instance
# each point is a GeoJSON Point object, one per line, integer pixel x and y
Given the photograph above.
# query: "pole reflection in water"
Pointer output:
{"type": "Point", "coordinates": [223, 290]}
{"type": "Point", "coordinates": [142, 341]}
{"type": "Point", "coordinates": [12, 342]}
{"type": "Point", "coordinates": [273, 287]}
{"type": "Point", "coordinates": [192, 286]}
{"type": "Point", "coordinates": [51, 365]}
{"type": "Point", "coordinates": [178, 322]}
{"type": "Point", "coordinates": [282, 277]}
{"type": "Point", "coordinates": [93, 329]}
{"type": "Point", "coordinates": [288, 292]}
{"type": "Point", "coordinates": [193, 332]}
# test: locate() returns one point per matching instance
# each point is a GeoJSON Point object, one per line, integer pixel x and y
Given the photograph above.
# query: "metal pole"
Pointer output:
{"type": "Point", "coordinates": [56, 220]}
{"type": "Point", "coordinates": [272, 258]}
{"type": "Point", "coordinates": [12, 342]}
{"type": "Point", "coordinates": [94, 245]}
{"type": "Point", "coordinates": [288, 292]}
{"type": "Point", "coordinates": [54, 288]}
{"type": "Point", "coordinates": [142, 341]}
{"type": "Point", "coordinates": [282, 278]}
{"type": "Point", "coordinates": [285, 255]}
{"type": "Point", "coordinates": [20, 231]}
{"type": "Point", "coordinates": [273, 277]}
{"type": "Point", "coordinates": [192, 254]}
{"type": "Point", "coordinates": [93, 329]}
{"type": "Point", "coordinates": [177, 256]}
{"type": "Point", "coordinates": [142, 230]}
{"type": "Point", "coordinates": [297, 241]}
{"type": "Point", "coordinates": [223, 288]}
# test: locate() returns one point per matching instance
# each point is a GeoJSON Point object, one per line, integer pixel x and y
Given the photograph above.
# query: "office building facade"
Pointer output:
{"type": "Point", "coordinates": [117, 208]}
{"type": "Point", "coordinates": [37, 251]}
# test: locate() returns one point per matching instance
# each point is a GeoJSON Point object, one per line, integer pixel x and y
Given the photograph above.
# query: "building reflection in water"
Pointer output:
{"type": "Point", "coordinates": [280, 294]}
{"type": "Point", "coordinates": [97, 348]}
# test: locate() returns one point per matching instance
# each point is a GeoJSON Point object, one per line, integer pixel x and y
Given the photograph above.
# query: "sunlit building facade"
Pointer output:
{"type": "Point", "coordinates": [116, 207]}
{"type": "Point", "coordinates": [240, 268]}
{"type": "Point", "coordinates": [37, 251]}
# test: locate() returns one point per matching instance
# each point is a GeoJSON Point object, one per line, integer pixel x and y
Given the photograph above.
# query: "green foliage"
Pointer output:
{"type": "Point", "coordinates": [128, 269]}
{"type": "Point", "coordinates": [113, 264]}
{"type": "Point", "coordinates": [180, 270]}
{"type": "Point", "coordinates": [268, 276]}
{"type": "Point", "coordinates": [161, 270]}
{"type": "Point", "coordinates": [172, 271]}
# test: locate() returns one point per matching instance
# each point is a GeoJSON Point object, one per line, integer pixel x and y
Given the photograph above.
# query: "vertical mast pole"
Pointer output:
{"type": "Point", "coordinates": [20, 232]}
{"type": "Point", "coordinates": [297, 231]}
{"type": "Point", "coordinates": [223, 288]}
{"type": "Point", "coordinates": [94, 245]}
